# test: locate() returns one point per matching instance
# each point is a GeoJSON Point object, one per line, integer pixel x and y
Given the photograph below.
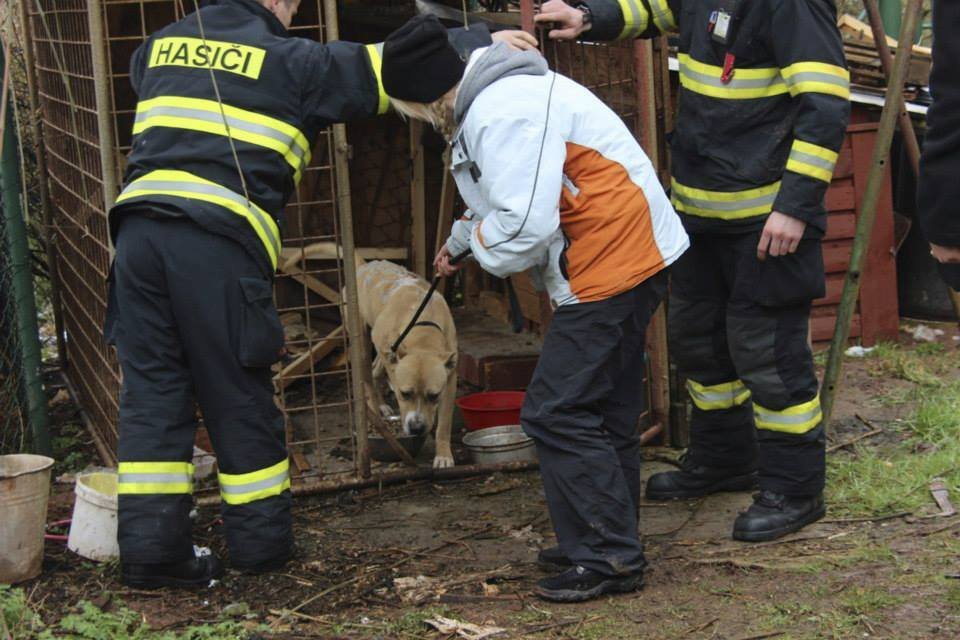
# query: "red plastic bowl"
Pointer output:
{"type": "Point", "coordinates": [490, 409]}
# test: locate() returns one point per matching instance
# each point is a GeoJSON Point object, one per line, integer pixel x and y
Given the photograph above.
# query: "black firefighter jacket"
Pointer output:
{"type": "Point", "coordinates": [765, 135]}
{"type": "Point", "coordinates": [277, 93]}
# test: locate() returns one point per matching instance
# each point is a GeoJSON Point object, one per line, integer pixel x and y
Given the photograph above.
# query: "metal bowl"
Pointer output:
{"type": "Point", "coordinates": [381, 451]}
{"type": "Point", "coordinates": [496, 445]}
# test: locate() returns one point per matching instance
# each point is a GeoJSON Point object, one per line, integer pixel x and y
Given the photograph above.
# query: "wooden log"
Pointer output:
{"type": "Point", "coordinates": [392, 477]}
{"type": "Point", "coordinates": [868, 211]}
{"type": "Point", "coordinates": [418, 200]}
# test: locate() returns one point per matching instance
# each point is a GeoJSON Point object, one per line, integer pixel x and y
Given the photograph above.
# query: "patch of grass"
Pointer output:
{"type": "Point", "coordinates": [892, 478]}
{"type": "Point", "coordinates": [952, 596]}
{"type": "Point", "coordinates": [68, 449]}
{"type": "Point", "coordinates": [863, 601]}
{"type": "Point", "coordinates": [87, 622]}
{"type": "Point", "coordinates": [923, 365]}
{"type": "Point", "coordinates": [412, 622]}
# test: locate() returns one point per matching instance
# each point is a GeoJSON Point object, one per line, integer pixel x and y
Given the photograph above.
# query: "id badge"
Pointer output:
{"type": "Point", "coordinates": [723, 21]}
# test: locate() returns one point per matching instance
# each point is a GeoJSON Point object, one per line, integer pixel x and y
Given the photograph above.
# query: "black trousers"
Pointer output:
{"type": "Point", "coordinates": [582, 408]}
{"type": "Point", "coordinates": [738, 332]}
{"type": "Point", "coordinates": [194, 322]}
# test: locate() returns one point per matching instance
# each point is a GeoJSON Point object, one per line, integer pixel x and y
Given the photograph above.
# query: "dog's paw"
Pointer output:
{"type": "Point", "coordinates": [386, 411]}
{"type": "Point", "coordinates": [442, 462]}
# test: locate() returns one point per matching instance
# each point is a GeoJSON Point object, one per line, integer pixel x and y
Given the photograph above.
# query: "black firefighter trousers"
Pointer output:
{"type": "Point", "coordinates": [194, 322]}
{"type": "Point", "coordinates": [738, 332]}
{"type": "Point", "coordinates": [582, 408]}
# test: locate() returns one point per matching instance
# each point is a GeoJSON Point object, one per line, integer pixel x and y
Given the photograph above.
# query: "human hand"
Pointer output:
{"type": "Point", "coordinates": [945, 255]}
{"type": "Point", "coordinates": [781, 235]}
{"type": "Point", "coordinates": [568, 21]}
{"type": "Point", "coordinates": [443, 265]}
{"type": "Point", "coordinates": [516, 39]}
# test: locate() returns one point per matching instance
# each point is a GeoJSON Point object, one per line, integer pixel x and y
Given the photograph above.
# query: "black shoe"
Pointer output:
{"type": "Point", "coordinates": [195, 573]}
{"type": "Point", "coordinates": [577, 584]}
{"type": "Point", "coordinates": [552, 559]}
{"type": "Point", "coordinates": [265, 566]}
{"type": "Point", "coordinates": [695, 481]}
{"type": "Point", "coordinates": [773, 515]}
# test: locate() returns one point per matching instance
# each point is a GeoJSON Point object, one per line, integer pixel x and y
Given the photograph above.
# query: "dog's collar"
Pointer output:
{"type": "Point", "coordinates": [428, 323]}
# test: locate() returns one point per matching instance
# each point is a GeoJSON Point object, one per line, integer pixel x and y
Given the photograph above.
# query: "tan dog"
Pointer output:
{"type": "Point", "coordinates": [423, 371]}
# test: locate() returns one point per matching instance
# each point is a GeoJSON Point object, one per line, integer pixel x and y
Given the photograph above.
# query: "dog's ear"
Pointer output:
{"type": "Point", "coordinates": [392, 357]}
{"type": "Point", "coordinates": [451, 362]}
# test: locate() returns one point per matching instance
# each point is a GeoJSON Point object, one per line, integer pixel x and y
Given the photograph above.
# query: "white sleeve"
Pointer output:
{"type": "Point", "coordinates": [521, 176]}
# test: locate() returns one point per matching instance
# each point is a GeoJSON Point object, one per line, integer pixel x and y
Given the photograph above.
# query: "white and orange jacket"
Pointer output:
{"type": "Point", "coordinates": [555, 183]}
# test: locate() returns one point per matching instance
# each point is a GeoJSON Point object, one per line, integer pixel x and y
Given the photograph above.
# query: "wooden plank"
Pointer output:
{"type": "Point", "coordinates": [844, 168]}
{"type": "Point", "coordinates": [841, 226]}
{"type": "Point", "coordinates": [879, 310]}
{"type": "Point", "coordinates": [324, 251]}
{"type": "Point", "coordinates": [305, 360]}
{"type": "Point", "coordinates": [841, 196]}
{"type": "Point", "coordinates": [836, 255]}
{"type": "Point", "coordinates": [418, 201]}
{"type": "Point", "coordinates": [834, 289]}
{"type": "Point", "coordinates": [821, 327]}
{"type": "Point", "coordinates": [321, 289]}
{"type": "Point", "coordinates": [659, 363]}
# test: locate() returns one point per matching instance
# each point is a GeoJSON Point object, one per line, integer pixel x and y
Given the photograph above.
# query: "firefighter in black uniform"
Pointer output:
{"type": "Point", "coordinates": [763, 111]}
{"type": "Point", "coordinates": [939, 190]}
{"type": "Point", "coordinates": [229, 109]}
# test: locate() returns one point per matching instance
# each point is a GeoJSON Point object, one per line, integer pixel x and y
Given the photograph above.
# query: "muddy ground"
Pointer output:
{"type": "Point", "coordinates": [466, 550]}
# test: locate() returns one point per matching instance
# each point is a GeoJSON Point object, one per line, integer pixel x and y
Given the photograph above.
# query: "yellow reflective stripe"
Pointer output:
{"type": "Point", "coordinates": [244, 488]}
{"type": "Point", "coordinates": [374, 52]}
{"type": "Point", "coordinates": [718, 396]}
{"type": "Point", "coordinates": [143, 478]}
{"type": "Point", "coordinates": [812, 160]}
{"type": "Point", "coordinates": [746, 84]}
{"type": "Point", "coordinates": [636, 19]}
{"type": "Point", "coordinates": [797, 419]}
{"type": "Point", "coordinates": [817, 77]}
{"type": "Point", "coordinates": [201, 115]}
{"type": "Point", "coordinates": [663, 16]}
{"type": "Point", "coordinates": [181, 184]}
{"type": "Point", "coordinates": [724, 205]}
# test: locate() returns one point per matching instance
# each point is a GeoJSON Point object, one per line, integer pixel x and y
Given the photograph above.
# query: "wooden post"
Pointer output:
{"type": "Point", "coordinates": [418, 200]}
{"type": "Point", "coordinates": [102, 90]}
{"type": "Point", "coordinates": [355, 333]}
{"type": "Point", "coordinates": [448, 192]}
{"type": "Point", "coordinates": [527, 11]}
{"type": "Point", "coordinates": [46, 211]}
{"type": "Point", "coordinates": [868, 210]}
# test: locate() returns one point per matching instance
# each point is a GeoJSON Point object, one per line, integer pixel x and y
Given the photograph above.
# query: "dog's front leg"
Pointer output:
{"type": "Point", "coordinates": [376, 396]}
{"type": "Point", "coordinates": [444, 456]}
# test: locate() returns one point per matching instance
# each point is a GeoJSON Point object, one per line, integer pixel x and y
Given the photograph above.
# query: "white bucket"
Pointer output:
{"type": "Point", "coordinates": [24, 490]}
{"type": "Point", "coordinates": [93, 531]}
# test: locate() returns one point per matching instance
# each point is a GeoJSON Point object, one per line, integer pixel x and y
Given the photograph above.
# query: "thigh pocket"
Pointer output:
{"type": "Point", "coordinates": [261, 334]}
{"type": "Point", "coordinates": [795, 278]}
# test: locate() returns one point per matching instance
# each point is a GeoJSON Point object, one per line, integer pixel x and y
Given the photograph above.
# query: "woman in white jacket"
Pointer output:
{"type": "Point", "coordinates": [556, 184]}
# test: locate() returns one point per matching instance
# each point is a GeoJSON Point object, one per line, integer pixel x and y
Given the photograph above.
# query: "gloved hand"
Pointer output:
{"type": "Point", "coordinates": [459, 240]}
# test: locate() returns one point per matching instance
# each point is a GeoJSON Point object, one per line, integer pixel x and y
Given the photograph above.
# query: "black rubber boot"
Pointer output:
{"type": "Point", "coordinates": [265, 566]}
{"type": "Point", "coordinates": [773, 515]}
{"type": "Point", "coordinates": [577, 584]}
{"type": "Point", "coordinates": [195, 573]}
{"type": "Point", "coordinates": [551, 559]}
{"type": "Point", "coordinates": [694, 481]}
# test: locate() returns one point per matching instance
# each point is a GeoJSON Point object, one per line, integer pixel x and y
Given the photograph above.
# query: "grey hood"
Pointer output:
{"type": "Point", "coordinates": [495, 62]}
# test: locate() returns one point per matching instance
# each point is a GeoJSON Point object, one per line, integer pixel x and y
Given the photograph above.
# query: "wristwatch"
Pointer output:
{"type": "Point", "coordinates": [587, 14]}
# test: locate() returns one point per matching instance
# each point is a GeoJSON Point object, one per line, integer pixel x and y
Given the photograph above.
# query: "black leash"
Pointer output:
{"type": "Point", "coordinates": [423, 304]}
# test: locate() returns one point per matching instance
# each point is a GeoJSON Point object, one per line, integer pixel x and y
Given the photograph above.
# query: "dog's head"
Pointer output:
{"type": "Point", "coordinates": [418, 380]}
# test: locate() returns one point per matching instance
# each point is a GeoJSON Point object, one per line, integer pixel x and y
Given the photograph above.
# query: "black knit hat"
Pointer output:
{"type": "Point", "coordinates": [419, 63]}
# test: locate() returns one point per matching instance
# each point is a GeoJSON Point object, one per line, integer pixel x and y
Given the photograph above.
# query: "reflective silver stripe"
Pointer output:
{"type": "Point", "coordinates": [806, 158]}
{"type": "Point", "coordinates": [716, 205]}
{"type": "Point", "coordinates": [640, 25]}
{"type": "Point", "coordinates": [735, 83]}
{"type": "Point", "coordinates": [237, 489]}
{"type": "Point", "coordinates": [814, 76]}
{"type": "Point", "coordinates": [662, 16]}
{"type": "Point", "coordinates": [779, 418]}
{"type": "Point", "coordinates": [212, 190]}
{"type": "Point", "coordinates": [158, 478]}
{"type": "Point", "coordinates": [233, 123]}
{"type": "Point", "coordinates": [729, 397]}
